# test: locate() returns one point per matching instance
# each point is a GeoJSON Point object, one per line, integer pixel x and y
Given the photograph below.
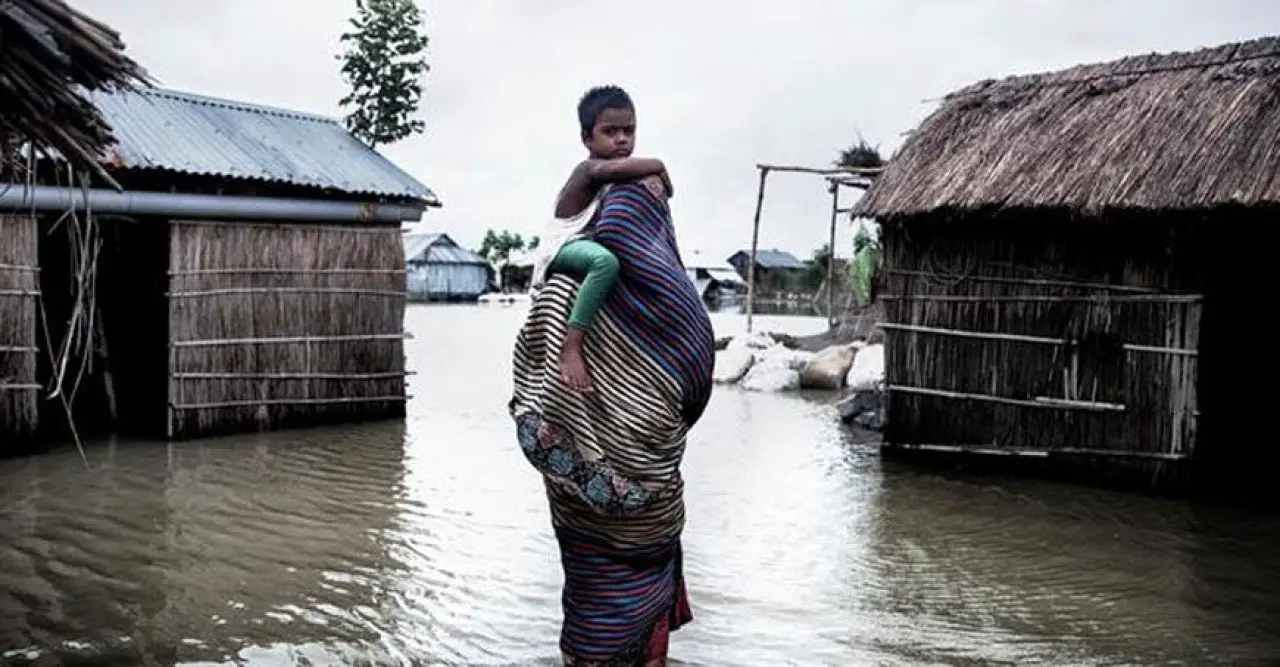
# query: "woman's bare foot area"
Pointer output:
{"type": "Point", "coordinates": [573, 368]}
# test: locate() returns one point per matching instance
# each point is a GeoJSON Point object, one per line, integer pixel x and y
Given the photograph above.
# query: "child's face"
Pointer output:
{"type": "Point", "coordinates": [614, 135]}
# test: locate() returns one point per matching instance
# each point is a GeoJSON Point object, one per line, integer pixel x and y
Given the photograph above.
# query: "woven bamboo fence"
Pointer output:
{"type": "Point", "coordinates": [1037, 341]}
{"type": "Point", "coordinates": [19, 291]}
{"type": "Point", "coordinates": [279, 325]}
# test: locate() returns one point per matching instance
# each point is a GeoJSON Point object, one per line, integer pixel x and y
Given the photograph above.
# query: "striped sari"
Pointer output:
{"type": "Point", "coordinates": [611, 458]}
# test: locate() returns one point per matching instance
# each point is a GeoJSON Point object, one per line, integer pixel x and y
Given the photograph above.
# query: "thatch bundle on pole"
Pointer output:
{"type": "Point", "coordinates": [51, 56]}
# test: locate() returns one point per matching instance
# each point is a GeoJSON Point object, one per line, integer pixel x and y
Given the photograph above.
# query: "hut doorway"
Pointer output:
{"type": "Point", "coordinates": [1238, 418]}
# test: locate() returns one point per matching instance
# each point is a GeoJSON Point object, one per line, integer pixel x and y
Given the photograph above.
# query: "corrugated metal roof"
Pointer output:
{"type": "Point", "coordinates": [774, 259]}
{"type": "Point", "coordinates": [170, 130]}
{"type": "Point", "coordinates": [431, 248]}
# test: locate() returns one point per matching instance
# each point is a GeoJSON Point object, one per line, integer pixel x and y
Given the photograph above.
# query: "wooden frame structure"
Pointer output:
{"type": "Point", "coordinates": [836, 177]}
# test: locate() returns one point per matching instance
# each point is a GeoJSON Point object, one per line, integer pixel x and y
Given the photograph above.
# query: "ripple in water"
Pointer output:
{"type": "Point", "coordinates": [427, 542]}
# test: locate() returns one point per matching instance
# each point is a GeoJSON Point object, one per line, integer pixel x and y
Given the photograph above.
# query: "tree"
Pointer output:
{"type": "Point", "coordinates": [383, 63]}
{"type": "Point", "coordinates": [497, 247]}
{"type": "Point", "coordinates": [817, 271]}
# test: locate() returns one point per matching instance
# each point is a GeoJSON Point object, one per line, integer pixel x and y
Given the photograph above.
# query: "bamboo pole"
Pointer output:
{"type": "Point", "coordinates": [1020, 338]}
{"type": "Point", "coordinates": [1042, 282]}
{"type": "Point", "coordinates": [290, 401]}
{"type": "Point", "coordinates": [229, 291]}
{"type": "Point", "coordinates": [1045, 298]}
{"type": "Point", "coordinates": [822, 171]}
{"type": "Point", "coordinates": [1036, 453]}
{"type": "Point", "coordinates": [282, 340]}
{"type": "Point", "coordinates": [281, 271]}
{"type": "Point", "coordinates": [292, 376]}
{"type": "Point", "coordinates": [831, 257]}
{"type": "Point", "coordinates": [1038, 402]}
{"type": "Point", "coordinates": [755, 248]}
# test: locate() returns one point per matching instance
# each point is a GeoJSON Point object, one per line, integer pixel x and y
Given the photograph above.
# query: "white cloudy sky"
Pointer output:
{"type": "Point", "coordinates": [719, 85]}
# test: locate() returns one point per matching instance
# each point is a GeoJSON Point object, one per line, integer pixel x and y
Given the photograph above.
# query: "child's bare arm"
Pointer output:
{"type": "Point", "coordinates": [587, 177]}
{"type": "Point", "coordinates": [623, 169]}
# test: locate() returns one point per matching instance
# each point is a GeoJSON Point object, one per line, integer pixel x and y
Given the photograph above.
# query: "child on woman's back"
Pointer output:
{"type": "Point", "coordinates": [607, 119]}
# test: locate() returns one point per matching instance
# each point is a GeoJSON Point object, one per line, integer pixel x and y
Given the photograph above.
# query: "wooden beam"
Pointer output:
{"type": "Point", "coordinates": [992, 450]}
{"type": "Point", "coordinates": [1020, 338]}
{"type": "Point", "coordinates": [822, 171]}
{"type": "Point", "coordinates": [1038, 402]}
{"type": "Point", "coordinates": [755, 246]}
{"type": "Point", "coordinates": [288, 340]}
{"type": "Point", "coordinates": [1044, 298]}
{"type": "Point", "coordinates": [831, 259]}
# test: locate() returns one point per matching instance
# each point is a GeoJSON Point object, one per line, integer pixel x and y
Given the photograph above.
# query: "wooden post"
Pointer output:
{"type": "Point", "coordinates": [755, 244]}
{"type": "Point", "coordinates": [831, 258]}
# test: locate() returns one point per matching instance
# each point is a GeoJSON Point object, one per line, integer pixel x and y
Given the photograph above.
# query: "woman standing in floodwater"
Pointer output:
{"type": "Point", "coordinates": [611, 457]}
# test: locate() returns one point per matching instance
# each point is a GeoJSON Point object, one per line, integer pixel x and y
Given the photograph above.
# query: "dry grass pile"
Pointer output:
{"type": "Point", "coordinates": [50, 56]}
{"type": "Point", "coordinates": [1182, 130]}
{"type": "Point", "coordinates": [19, 285]}
{"type": "Point", "coordinates": [278, 325]}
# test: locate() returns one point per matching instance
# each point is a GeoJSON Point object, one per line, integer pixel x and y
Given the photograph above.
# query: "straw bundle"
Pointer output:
{"type": "Point", "coordinates": [50, 54]}
{"type": "Point", "coordinates": [18, 289]}
{"type": "Point", "coordinates": [275, 325]}
{"type": "Point", "coordinates": [1176, 131]}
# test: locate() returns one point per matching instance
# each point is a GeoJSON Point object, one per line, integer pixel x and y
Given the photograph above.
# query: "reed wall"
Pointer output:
{"type": "Point", "coordinates": [1041, 336]}
{"type": "Point", "coordinates": [278, 325]}
{"type": "Point", "coordinates": [19, 291]}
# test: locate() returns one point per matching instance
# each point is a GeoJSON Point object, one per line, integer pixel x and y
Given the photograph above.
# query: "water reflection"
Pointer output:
{"type": "Point", "coordinates": [428, 542]}
{"type": "Point", "coordinates": [200, 550]}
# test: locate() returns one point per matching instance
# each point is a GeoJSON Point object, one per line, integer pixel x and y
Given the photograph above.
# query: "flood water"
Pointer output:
{"type": "Point", "coordinates": [427, 542]}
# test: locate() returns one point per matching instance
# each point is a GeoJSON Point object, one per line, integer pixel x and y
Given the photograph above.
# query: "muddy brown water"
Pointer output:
{"type": "Point", "coordinates": [427, 542]}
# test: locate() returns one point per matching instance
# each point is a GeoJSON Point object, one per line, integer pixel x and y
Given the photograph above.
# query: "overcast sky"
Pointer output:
{"type": "Point", "coordinates": [719, 85]}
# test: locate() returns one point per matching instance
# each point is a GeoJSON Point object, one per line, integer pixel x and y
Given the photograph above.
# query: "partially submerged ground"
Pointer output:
{"type": "Point", "coordinates": [848, 359]}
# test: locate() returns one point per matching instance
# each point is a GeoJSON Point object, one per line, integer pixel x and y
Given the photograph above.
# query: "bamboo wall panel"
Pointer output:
{"type": "Point", "coordinates": [19, 292]}
{"type": "Point", "coordinates": [1039, 338]}
{"type": "Point", "coordinates": [273, 325]}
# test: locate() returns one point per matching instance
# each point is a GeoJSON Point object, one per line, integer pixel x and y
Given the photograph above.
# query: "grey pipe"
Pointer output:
{"type": "Point", "coordinates": [42, 198]}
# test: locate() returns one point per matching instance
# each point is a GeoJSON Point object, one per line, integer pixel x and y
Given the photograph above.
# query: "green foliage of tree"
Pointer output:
{"type": "Point", "coordinates": [383, 63]}
{"type": "Point", "coordinates": [816, 273]}
{"type": "Point", "coordinates": [498, 246]}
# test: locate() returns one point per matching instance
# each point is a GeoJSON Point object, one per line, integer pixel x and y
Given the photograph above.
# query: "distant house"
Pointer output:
{"type": "Point", "coordinates": [438, 269]}
{"type": "Point", "coordinates": [714, 279]}
{"type": "Point", "coordinates": [773, 267]}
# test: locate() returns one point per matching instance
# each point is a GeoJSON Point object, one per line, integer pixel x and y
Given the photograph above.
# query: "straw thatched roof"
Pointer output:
{"type": "Point", "coordinates": [50, 57]}
{"type": "Point", "coordinates": [1174, 131]}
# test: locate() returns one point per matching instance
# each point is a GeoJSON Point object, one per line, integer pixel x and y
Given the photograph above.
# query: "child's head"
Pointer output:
{"type": "Point", "coordinates": [608, 122]}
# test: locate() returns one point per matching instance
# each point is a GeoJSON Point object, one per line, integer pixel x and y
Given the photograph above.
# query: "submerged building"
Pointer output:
{"type": "Point", "coordinates": [249, 275]}
{"type": "Point", "coordinates": [438, 269]}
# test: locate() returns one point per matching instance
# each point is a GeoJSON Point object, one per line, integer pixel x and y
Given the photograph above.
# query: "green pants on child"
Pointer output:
{"type": "Point", "coordinates": [596, 267]}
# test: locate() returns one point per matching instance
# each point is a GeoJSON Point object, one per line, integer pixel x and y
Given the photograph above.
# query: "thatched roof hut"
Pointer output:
{"type": "Point", "coordinates": [51, 56]}
{"type": "Point", "coordinates": [1172, 131]}
{"type": "Point", "coordinates": [1068, 259]}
